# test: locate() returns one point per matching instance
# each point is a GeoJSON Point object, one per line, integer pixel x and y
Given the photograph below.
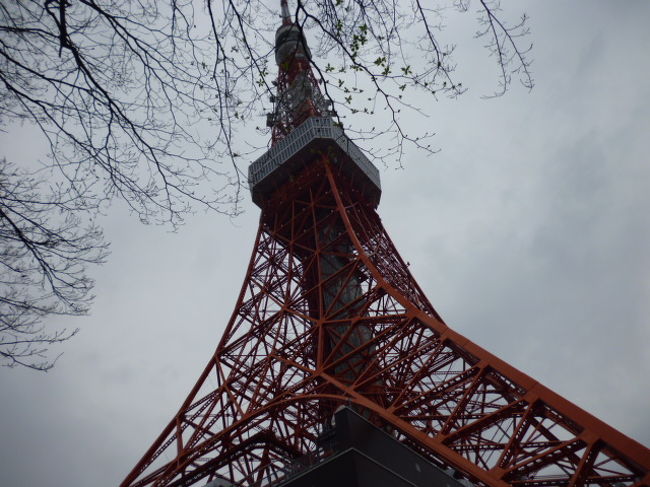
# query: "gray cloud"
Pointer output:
{"type": "Point", "coordinates": [529, 233]}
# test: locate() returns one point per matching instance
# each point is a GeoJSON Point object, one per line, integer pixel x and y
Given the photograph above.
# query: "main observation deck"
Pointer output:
{"type": "Point", "coordinates": [314, 139]}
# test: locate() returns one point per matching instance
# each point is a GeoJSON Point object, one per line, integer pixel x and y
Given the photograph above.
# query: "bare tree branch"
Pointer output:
{"type": "Point", "coordinates": [141, 100]}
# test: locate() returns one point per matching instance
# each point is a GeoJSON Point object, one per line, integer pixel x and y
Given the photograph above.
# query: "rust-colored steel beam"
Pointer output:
{"type": "Point", "coordinates": [330, 315]}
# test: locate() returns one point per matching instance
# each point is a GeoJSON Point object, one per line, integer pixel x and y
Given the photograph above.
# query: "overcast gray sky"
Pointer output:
{"type": "Point", "coordinates": [529, 232]}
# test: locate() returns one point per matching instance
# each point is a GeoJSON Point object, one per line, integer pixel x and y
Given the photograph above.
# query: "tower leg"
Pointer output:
{"type": "Point", "coordinates": [329, 316]}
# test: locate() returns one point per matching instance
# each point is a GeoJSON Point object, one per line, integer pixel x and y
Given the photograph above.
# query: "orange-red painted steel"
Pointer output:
{"type": "Point", "coordinates": [330, 315]}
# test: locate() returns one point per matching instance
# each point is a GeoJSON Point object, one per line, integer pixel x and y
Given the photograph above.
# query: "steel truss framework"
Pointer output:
{"type": "Point", "coordinates": [300, 343]}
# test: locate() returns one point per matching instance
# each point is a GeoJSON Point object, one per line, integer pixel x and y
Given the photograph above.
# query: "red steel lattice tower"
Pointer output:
{"type": "Point", "coordinates": [329, 315]}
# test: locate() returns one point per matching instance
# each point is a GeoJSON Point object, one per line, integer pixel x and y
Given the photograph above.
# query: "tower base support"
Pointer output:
{"type": "Point", "coordinates": [356, 453]}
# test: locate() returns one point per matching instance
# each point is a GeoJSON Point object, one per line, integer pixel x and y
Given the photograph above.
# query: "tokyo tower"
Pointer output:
{"type": "Point", "coordinates": [335, 369]}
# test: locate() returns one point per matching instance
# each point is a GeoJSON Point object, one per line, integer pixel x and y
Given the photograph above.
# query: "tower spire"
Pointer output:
{"type": "Point", "coordinates": [298, 95]}
{"type": "Point", "coordinates": [286, 15]}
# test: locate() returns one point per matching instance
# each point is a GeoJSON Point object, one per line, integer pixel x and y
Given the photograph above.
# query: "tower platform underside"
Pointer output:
{"type": "Point", "coordinates": [316, 138]}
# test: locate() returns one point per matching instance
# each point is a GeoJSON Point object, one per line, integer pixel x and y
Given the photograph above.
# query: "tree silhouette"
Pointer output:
{"type": "Point", "coordinates": [140, 100]}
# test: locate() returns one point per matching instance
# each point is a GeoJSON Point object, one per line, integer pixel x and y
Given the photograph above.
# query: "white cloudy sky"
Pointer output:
{"type": "Point", "coordinates": [529, 232]}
